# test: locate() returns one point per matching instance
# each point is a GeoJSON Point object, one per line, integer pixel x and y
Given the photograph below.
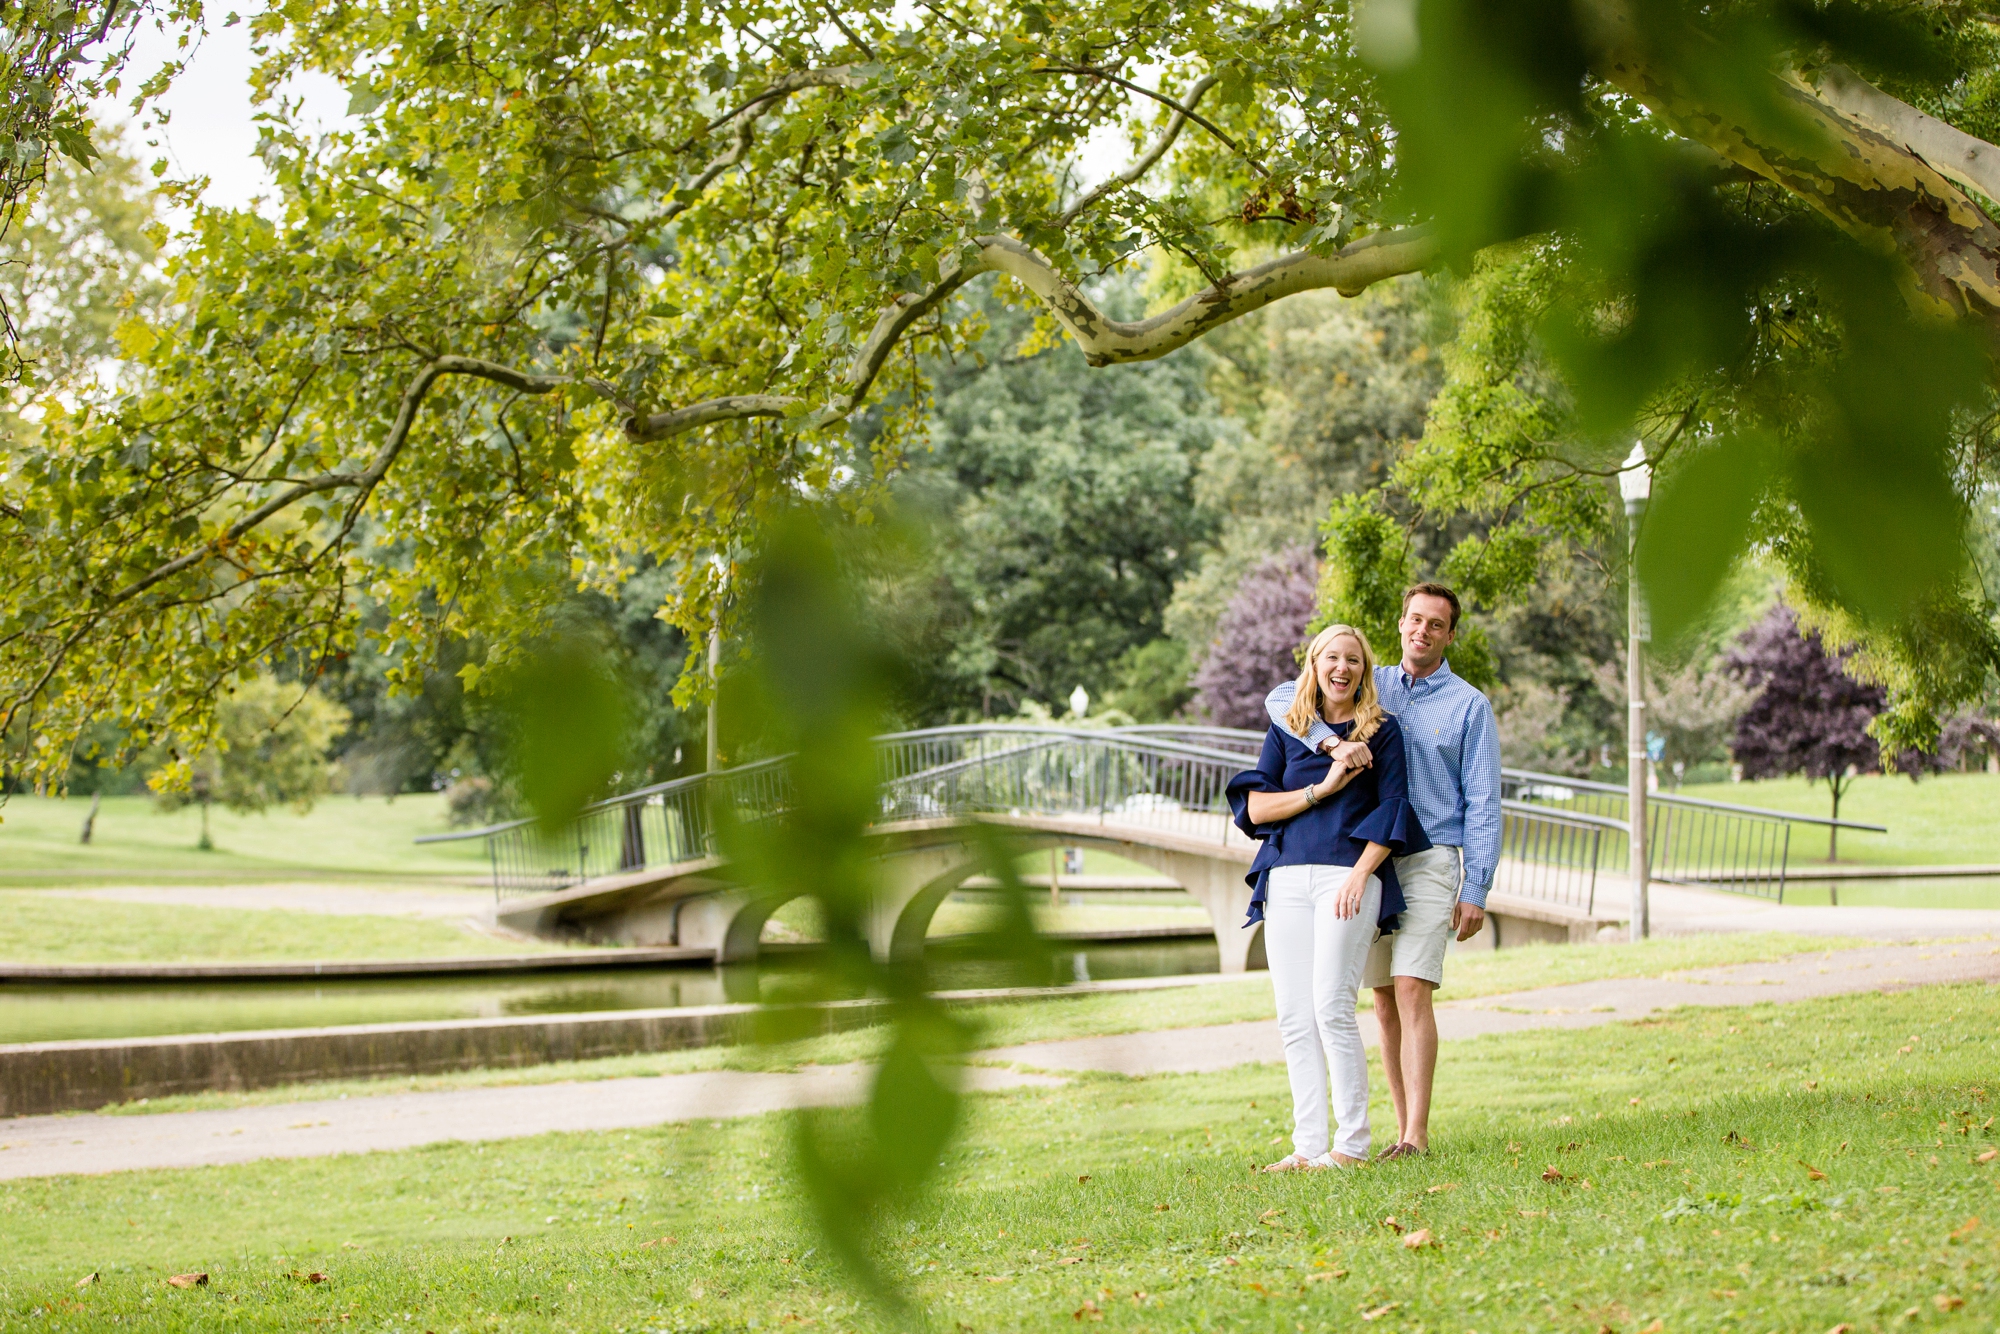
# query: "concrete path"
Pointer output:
{"type": "Point", "coordinates": [1578, 1005]}
{"type": "Point", "coordinates": [34, 1146]}
{"type": "Point", "coordinates": [54, 1145]}
{"type": "Point", "coordinates": [1678, 910]}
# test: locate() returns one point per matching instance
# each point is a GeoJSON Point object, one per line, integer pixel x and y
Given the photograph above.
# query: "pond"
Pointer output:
{"type": "Point", "coordinates": [31, 1012]}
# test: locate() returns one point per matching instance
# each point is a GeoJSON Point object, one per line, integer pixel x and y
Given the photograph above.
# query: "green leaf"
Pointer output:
{"type": "Point", "coordinates": [1696, 527]}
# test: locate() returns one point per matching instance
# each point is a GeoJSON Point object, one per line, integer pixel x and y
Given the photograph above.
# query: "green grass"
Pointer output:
{"type": "Point", "coordinates": [1225, 1002]}
{"type": "Point", "coordinates": [135, 840]}
{"type": "Point", "coordinates": [1608, 1178]}
{"type": "Point", "coordinates": [47, 928]}
{"type": "Point", "coordinates": [1950, 819]}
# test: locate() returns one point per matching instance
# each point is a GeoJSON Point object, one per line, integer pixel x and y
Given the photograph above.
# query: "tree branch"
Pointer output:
{"type": "Point", "coordinates": [1972, 163]}
{"type": "Point", "coordinates": [1165, 101]}
{"type": "Point", "coordinates": [1105, 341]}
{"type": "Point", "coordinates": [1146, 160]}
{"type": "Point", "coordinates": [1863, 177]}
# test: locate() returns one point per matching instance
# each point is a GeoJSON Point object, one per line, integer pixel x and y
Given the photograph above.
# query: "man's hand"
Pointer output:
{"type": "Point", "coordinates": [1353, 755]}
{"type": "Point", "coordinates": [1467, 918]}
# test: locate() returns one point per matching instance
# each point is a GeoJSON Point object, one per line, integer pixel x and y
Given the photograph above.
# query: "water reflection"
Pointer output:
{"type": "Point", "coordinates": [38, 1013]}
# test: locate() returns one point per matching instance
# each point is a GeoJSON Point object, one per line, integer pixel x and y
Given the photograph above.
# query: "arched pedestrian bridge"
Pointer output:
{"type": "Point", "coordinates": [644, 868]}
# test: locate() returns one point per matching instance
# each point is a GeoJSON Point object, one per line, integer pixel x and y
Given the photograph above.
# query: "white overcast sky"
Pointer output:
{"type": "Point", "coordinates": [211, 133]}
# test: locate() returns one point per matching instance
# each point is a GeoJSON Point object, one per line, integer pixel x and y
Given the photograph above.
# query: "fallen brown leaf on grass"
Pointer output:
{"type": "Point", "coordinates": [1269, 1214]}
{"type": "Point", "coordinates": [1812, 1173]}
{"type": "Point", "coordinates": [1161, 1208]}
{"type": "Point", "coordinates": [1965, 1229]}
{"type": "Point", "coordinates": [87, 1279]}
{"type": "Point", "coordinates": [1550, 1175]}
{"type": "Point", "coordinates": [657, 1241]}
{"type": "Point", "coordinates": [1082, 1177]}
{"type": "Point", "coordinates": [1842, 1328]}
{"type": "Point", "coordinates": [1653, 1328]}
{"type": "Point", "coordinates": [1944, 1301]}
{"type": "Point", "coordinates": [1328, 1277]}
{"type": "Point", "coordinates": [1088, 1311]}
{"type": "Point", "coordinates": [1449, 1185]}
{"type": "Point", "coordinates": [1380, 1311]}
{"type": "Point", "coordinates": [1231, 1260]}
{"type": "Point", "coordinates": [187, 1280]}
{"type": "Point", "coordinates": [999, 1278]}
{"type": "Point", "coordinates": [1070, 1260]}
{"type": "Point", "coordinates": [1419, 1239]}
{"type": "Point", "coordinates": [1988, 1156]}
{"type": "Point", "coordinates": [1390, 1222]}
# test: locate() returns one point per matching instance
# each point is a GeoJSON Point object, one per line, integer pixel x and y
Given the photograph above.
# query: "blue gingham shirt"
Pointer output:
{"type": "Point", "coordinates": [1452, 747]}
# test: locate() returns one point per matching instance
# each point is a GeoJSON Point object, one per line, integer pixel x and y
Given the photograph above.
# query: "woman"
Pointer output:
{"type": "Point", "coordinates": [1323, 884]}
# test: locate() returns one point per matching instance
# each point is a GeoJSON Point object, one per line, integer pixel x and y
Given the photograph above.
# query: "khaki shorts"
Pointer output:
{"type": "Point", "coordinates": [1430, 883]}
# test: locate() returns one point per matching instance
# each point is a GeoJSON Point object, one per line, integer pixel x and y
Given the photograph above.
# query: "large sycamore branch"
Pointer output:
{"type": "Point", "coordinates": [1876, 167]}
{"type": "Point", "coordinates": [1104, 341]}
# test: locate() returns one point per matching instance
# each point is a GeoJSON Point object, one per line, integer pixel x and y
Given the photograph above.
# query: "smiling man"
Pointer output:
{"type": "Point", "coordinates": [1452, 748]}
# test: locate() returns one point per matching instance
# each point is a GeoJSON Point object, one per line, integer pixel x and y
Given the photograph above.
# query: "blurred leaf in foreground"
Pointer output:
{"type": "Point", "coordinates": [820, 683]}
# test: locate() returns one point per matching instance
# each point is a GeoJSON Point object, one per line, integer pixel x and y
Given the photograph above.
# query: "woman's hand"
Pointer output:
{"type": "Point", "coordinates": [1348, 901]}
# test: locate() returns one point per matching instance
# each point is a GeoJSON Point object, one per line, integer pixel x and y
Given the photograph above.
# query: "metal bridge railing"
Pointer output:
{"type": "Point", "coordinates": [1689, 840]}
{"type": "Point", "coordinates": [1557, 832]}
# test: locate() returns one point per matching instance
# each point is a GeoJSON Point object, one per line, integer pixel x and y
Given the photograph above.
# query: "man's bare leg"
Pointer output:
{"type": "Point", "coordinates": [1391, 1024]}
{"type": "Point", "coordinates": [1418, 1023]}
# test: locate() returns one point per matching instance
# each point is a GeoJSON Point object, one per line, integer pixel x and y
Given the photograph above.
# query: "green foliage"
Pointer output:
{"type": "Point", "coordinates": [1841, 405]}
{"type": "Point", "coordinates": [1330, 391]}
{"type": "Point", "coordinates": [271, 749]}
{"type": "Point", "coordinates": [1057, 512]}
{"type": "Point", "coordinates": [1152, 682]}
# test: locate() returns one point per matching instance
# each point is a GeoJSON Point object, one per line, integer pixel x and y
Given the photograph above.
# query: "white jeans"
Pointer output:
{"type": "Point", "coordinates": [1316, 961]}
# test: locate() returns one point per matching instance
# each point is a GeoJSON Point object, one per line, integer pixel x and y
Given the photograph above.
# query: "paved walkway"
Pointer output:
{"type": "Point", "coordinates": [1577, 1005]}
{"type": "Point", "coordinates": [55, 1145]}
{"type": "Point", "coordinates": [1678, 910]}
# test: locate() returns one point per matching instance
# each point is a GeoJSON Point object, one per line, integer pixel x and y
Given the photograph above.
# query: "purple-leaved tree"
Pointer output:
{"type": "Point", "coordinates": [1809, 716]}
{"type": "Point", "coordinates": [1257, 640]}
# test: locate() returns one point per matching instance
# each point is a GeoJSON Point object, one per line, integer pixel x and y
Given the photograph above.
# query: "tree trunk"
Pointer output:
{"type": "Point", "coordinates": [90, 820]}
{"type": "Point", "coordinates": [207, 844]}
{"type": "Point", "coordinates": [1833, 831]}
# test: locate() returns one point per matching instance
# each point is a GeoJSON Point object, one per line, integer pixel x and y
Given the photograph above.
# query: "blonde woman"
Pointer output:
{"type": "Point", "coordinates": [1323, 884]}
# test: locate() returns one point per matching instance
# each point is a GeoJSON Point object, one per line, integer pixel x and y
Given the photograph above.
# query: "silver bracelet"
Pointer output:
{"type": "Point", "coordinates": [1312, 797]}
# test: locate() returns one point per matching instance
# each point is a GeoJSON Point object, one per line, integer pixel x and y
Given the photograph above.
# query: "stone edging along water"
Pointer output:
{"type": "Point", "coordinates": [43, 1077]}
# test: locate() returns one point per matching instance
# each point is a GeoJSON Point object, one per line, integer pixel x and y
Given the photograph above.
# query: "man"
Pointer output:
{"type": "Point", "coordinates": [1452, 748]}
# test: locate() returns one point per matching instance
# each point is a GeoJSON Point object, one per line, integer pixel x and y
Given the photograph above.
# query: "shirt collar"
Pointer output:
{"type": "Point", "coordinates": [1431, 682]}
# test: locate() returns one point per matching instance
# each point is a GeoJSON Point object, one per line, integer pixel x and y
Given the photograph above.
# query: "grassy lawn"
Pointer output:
{"type": "Point", "coordinates": [133, 839]}
{"type": "Point", "coordinates": [45, 928]}
{"type": "Point", "coordinates": [1795, 1168]}
{"type": "Point", "coordinates": [1225, 1002]}
{"type": "Point", "coordinates": [1951, 819]}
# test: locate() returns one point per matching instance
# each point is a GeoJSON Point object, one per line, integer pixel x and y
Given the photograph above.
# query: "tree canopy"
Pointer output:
{"type": "Point", "coordinates": [615, 282]}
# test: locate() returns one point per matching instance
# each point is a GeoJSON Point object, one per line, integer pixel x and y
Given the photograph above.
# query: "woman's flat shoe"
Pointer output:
{"type": "Point", "coordinates": [1395, 1151]}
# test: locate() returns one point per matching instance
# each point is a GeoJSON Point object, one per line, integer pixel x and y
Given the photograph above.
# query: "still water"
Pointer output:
{"type": "Point", "coordinates": [40, 1013]}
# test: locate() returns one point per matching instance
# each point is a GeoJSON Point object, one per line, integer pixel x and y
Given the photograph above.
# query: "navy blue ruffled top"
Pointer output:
{"type": "Point", "coordinates": [1374, 807]}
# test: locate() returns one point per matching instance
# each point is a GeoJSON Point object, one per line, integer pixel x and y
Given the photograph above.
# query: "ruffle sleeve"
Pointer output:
{"type": "Point", "coordinates": [1395, 826]}
{"type": "Point", "coordinates": [1238, 792]}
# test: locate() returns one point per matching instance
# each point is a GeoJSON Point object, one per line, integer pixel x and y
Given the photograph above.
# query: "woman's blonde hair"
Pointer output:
{"type": "Point", "coordinates": [1305, 710]}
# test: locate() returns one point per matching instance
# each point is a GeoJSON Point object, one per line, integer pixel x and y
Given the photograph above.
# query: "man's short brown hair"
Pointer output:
{"type": "Point", "coordinates": [1430, 590]}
